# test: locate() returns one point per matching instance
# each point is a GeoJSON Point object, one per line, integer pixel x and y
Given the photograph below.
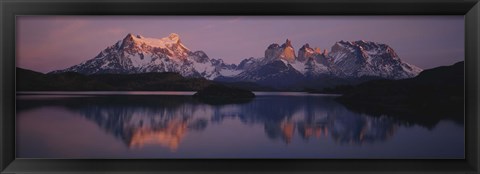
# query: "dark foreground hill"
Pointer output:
{"type": "Point", "coordinates": [437, 91]}
{"type": "Point", "coordinates": [28, 80]}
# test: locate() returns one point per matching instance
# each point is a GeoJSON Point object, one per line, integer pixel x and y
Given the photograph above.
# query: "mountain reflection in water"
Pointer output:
{"type": "Point", "coordinates": [167, 121]}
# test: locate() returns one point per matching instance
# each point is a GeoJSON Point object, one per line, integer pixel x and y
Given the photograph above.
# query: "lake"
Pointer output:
{"type": "Point", "coordinates": [174, 125]}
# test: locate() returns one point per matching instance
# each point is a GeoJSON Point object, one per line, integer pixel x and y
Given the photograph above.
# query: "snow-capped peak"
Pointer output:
{"type": "Point", "coordinates": [287, 43]}
{"type": "Point", "coordinates": [174, 37]}
{"type": "Point", "coordinates": [366, 58]}
{"type": "Point", "coordinates": [139, 54]}
{"type": "Point", "coordinates": [166, 42]}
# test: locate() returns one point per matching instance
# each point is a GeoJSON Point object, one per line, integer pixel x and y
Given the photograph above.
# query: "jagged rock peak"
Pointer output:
{"type": "Point", "coordinates": [272, 46]}
{"type": "Point", "coordinates": [285, 52]}
{"type": "Point", "coordinates": [304, 47]}
{"type": "Point", "coordinates": [325, 52]}
{"type": "Point", "coordinates": [128, 41]}
{"type": "Point", "coordinates": [359, 43]}
{"type": "Point", "coordinates": [288, 52]}
{"type": "Point", "coordinates": [174, 37]}
{"type": "Point", "coordinates": [305, 52]}
{"type": "Point", "coordinates": [129, 35]}
{"type": "Point", "coordinates": [287, 43]}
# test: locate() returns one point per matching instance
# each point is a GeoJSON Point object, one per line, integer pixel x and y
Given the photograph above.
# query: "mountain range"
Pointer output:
{"type": "Point", "coordinates": [346, 63]}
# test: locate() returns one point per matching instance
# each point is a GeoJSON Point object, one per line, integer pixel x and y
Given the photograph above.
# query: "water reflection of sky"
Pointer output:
{"type": "Point", "coordinates": [270, 126]}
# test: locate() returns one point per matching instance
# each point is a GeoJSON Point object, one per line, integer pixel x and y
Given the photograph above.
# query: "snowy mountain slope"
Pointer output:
{"type": "Point", "coordinates": [277, 73]}
{"type": "Point", "coordinates": [138, 54]}
{"type": "Point", "coordinates": [364, 58]}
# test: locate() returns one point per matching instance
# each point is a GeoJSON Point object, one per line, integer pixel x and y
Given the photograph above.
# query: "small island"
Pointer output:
{"type": "Point", "coordinates": [217, 93]}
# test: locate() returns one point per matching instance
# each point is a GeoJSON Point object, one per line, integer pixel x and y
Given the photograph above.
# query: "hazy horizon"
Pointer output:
{"type": "Point", "coordinates": [46, 43]}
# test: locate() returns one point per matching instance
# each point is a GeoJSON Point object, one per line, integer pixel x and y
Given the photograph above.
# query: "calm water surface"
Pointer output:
{"type": "Point", "coordinates": [174, 125]}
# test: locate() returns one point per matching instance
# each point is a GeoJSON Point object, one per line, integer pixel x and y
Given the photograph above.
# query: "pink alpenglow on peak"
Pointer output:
{"type": "Point", "coordinates": [139, 54]}
{"type": "Point", "coordinates": [285, 52]}
{"type": "Point", "coordinates": [288, 53]}
{"type": "Point", "coordinates": [166, 42]}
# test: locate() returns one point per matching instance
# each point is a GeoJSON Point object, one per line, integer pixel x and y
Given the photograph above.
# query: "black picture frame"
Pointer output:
{"type": "Point", "coordinates": [11, 8]}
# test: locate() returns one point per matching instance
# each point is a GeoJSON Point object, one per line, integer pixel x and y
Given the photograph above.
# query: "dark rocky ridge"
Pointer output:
{"type": "Point", "coordinates": [438, 91]}
{"type": "Point", "coordinates": [221, 94]}
{"type": "Point", "coordinates": [28, 80]}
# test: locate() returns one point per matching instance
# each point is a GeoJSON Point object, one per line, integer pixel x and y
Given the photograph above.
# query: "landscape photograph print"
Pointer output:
{"type": "Point", "coordinates": [240, 87]}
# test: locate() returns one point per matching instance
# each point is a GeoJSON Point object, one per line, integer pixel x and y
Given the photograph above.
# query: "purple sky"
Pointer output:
{"type": "Point", "coordinates": [46, 43]}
